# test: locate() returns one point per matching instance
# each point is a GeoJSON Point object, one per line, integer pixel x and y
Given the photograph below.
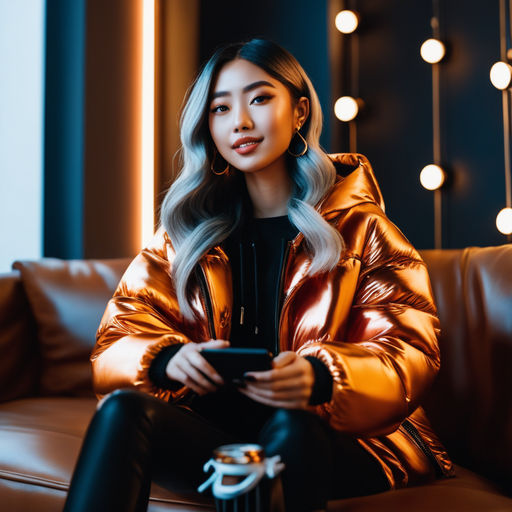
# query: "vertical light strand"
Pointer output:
{"type": "Point", "coordinates": [346, 108]}
{"type": "Point", "coordinates": [436, 110]}
{"type": "Point", "coordinates": [507, 105]}
{"type": "Point", "coordinates": [436, 123]}
{"type": "Point", "coordinates": [438, 232]}
{"type": "Point", "coordinates": [354, 78]}
{"type": "Point", "coordinates": [352, 136]}
{"type": "Point", "coordinates": [148, 121]}
{"type": "Point", "coordinates": [506, 101]}
{"type": "Point", "coordinates": [506, 141]}
{"type": "Point", "coordinates": [436, 115]}
{"type": "Point", "coordinates": [500, 76]}
{"type": "Point", "coordinates": [436, 142]}
{"type": "Point", "coordinates": [435, 22]}
{"type": "Point", "coordinates": [503, 31]}
{"type": "Point", "coordinates": [433, 176]}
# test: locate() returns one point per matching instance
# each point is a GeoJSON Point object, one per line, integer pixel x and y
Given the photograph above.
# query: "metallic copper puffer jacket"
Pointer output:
{"type": "Point", "coordinates": [371, 320]}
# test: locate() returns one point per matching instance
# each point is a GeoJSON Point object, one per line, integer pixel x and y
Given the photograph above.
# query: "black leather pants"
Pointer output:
{"type": "Point", "coordinates": [135, 438]}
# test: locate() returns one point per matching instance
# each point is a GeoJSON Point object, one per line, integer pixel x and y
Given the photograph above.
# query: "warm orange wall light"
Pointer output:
{"type": "Point", "coordinates": [148, 121]}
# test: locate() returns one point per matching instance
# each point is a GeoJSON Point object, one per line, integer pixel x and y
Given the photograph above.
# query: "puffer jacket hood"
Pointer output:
{"type": "Point", "coordinates": [355, 184]}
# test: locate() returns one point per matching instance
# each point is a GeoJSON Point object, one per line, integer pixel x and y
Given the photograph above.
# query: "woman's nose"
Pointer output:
{"type": "Point", "coordinates": [242, 120]}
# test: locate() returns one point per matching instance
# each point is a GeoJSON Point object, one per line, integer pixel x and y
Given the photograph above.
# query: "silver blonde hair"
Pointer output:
{"type": "Point", "coordinates": [195, 212]}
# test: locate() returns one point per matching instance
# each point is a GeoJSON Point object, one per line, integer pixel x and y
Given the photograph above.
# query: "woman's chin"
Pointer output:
{"type": "Point", "coordinates": [256, 165]}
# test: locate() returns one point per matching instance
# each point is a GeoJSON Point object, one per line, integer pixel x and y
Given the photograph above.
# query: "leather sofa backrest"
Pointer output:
{"type": "Point", "coordinates": [67, 299]}
{"type": "Point", "coordinates": [470, 404]}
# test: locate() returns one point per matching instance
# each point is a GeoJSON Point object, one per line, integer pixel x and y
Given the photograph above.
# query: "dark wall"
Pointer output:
{"type": "Point", "coordinates": [299, 26]}
{"type": "Point", "coordinates": [395, 129]}
{"type": "Point", "coordinates": [91, 110]}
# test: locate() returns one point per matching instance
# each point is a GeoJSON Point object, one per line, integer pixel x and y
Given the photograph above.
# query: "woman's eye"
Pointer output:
{"type": "Point", "coordinates": [218, 108]}
{"type": "Point", "coordinates": [261, 99]}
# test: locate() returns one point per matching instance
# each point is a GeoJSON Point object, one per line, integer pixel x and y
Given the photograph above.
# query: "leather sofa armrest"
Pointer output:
{"type": "Point", "coordinates": [19, 357]}
{"type": "Point", "coordinates": [469, 404]}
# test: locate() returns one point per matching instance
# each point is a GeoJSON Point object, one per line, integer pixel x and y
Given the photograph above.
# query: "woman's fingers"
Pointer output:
{"type": "Point", "coordinates": [197, 360]}
{"type": "Point", "coordinates": [187, 381]}
{"type": "Point", "coordinates": [193, 370]}
{"type": "Point", "coordinates": [284, 359]}
{"type": "Point", "coordinates": [295, 369]}
{"type": "Point", "coordinates": [286, 404]}
{"type": "Point", "coordinates": [296, 392]}
{"type": "Point", "coordinates": [194, 377]}
{"type": "Point", "coordinates": [288, 386]}
{"type": "Point", "coordinates": [213, 344]}
{"type": "Point", "coordinates": [283, 383]}
{"type": "Point", "coordinates": [202, 364]}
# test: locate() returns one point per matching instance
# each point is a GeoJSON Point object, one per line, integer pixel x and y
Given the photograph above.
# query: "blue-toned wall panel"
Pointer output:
{"type": "Point", "coordinates": [64, 128]}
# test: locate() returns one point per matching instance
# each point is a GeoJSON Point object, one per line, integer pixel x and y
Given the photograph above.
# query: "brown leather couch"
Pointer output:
{"type": "Point", "coordinates": [49, 311]}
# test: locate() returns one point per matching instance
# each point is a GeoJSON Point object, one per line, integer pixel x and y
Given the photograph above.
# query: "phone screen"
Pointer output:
{"type": "Point", "coordinates": [232, 363]}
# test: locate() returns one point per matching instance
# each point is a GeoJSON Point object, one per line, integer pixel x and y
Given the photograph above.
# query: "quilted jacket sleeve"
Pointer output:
{"type": "Point", "coordinates": [140, 320]}
{"type": "Point", "coordinates": [389, 355]}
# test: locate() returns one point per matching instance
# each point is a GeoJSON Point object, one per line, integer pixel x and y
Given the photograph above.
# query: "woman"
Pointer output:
{"type": "Point", "coordinates": [262, 244]}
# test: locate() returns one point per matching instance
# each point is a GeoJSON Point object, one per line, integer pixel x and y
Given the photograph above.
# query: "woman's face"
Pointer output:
{"type": "Point", "coordinates": [252, 116]}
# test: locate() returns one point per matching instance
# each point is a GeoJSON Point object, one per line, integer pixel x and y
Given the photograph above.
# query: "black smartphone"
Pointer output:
{"type": "Point", "coordinates": [231, 363]}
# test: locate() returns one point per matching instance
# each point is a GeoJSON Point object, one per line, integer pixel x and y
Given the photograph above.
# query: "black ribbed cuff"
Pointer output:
{"type": "Point", "coordinates": [322, 388]}
{"type": "Point", "coordinates": [157, 373]}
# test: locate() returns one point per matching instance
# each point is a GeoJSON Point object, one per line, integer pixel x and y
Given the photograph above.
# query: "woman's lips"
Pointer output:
{"type": "Point", "coordinates": [246, 145]}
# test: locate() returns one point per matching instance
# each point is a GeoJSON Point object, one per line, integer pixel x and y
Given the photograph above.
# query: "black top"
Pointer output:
{"type": "Point", "coordinates": [256, 254]}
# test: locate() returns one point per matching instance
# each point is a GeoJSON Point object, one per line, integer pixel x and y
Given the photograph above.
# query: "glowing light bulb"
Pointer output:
{"type": "Point", "coordinates": [432, 51]}
{"type": "Point", "coordinates": [432, 177]}
{"type": "Point", "coordinates": [501, 75]}
{"type": "Point", "coordinates": [504, 221]}
{"type": "Point", "coordinates": [346, 108]}
{"type": "Point", "coordinates": [346, 21]}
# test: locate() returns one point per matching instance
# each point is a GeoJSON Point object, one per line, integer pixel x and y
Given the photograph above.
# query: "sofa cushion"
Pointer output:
{"type": "Point", "coordinates": [47, 435]}
{"type": "Point", "coordinates": [467, 492]}
{"type": "Point", "coordinates": [68, 299]}
{"type": "Point", "coordinates": [48, 432]}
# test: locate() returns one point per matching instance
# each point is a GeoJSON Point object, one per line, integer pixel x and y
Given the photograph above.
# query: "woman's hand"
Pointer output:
{"type": "Point", "coordinates": [189, 367]}
{"type": "Point", "coordinates": [289, 384]}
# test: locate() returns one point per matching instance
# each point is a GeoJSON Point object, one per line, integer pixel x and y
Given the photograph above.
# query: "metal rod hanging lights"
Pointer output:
{"type": "Point", "coordinates": [433, 176]}
{"type": "Point", "coordinates": [347, 107]}
{"type": "Point", "coordinates": [501, 78]}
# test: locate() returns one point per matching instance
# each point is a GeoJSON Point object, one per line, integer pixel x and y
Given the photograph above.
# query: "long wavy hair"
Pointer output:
{"type": "Point", "coordinates": [195, 212]}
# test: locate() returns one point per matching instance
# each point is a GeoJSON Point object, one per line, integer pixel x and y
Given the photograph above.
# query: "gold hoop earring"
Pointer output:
{"type": "Point", "coordinates": [303, 152]}
{"type": "Point", "coordinates": [217, 173]}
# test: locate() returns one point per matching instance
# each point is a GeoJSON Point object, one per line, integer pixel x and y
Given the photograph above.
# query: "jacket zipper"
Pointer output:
{"type": "Point", "coordinates": [203, 287]}
{"type": "Point", "coordinates": [285, 250]}
{"type": "Point", "coordinates": [256, 296]}
{"type": "Point", "coordinates": [242, 285]}
{"type": "Point", "coordinates": [415, 435]}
